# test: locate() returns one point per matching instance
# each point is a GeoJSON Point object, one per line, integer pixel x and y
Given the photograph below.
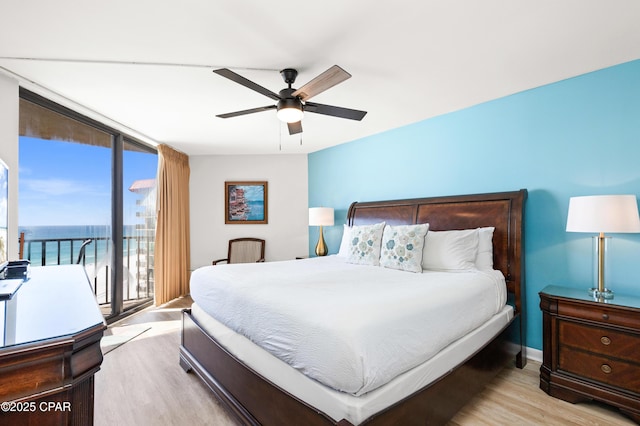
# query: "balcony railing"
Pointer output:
{"type": "Point", "coordinates": [137, 265]}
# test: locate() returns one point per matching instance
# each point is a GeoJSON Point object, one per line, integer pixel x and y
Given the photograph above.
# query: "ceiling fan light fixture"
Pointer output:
{"type": "Point", "coordinates": [290, 110]}
{"type": "Point", "coordinates": [292, 103]}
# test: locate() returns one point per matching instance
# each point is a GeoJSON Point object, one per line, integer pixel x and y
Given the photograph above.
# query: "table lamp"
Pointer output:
{"type": "Point", "coordinates": [600, 214]}
{"type": "Point", "coordinates": [321, 216]}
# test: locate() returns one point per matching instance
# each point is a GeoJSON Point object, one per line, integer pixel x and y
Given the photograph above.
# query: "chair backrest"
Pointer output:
{"type": "Point", "coordinates": [246, 250]}
{"type": "Point", "coordinates": [81, 252]}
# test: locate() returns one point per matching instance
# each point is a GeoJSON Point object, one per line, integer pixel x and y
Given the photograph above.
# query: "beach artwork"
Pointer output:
{"type": "Point", "coordinates": [245, 202]}
{"type": "Point", "coordinates": [4, 212]}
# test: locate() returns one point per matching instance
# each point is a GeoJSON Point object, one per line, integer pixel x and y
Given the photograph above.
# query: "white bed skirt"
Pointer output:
{"type": "Point", "coordinates": [339, 405]}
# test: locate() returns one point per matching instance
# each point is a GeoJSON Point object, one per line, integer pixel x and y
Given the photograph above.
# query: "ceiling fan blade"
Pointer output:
{"type": "Point", "coordinates": [324, 81]}
{"type": "Point", "coordinates": [224, 72]}
{"type": "Point", "coordinates": [246, 111]}
{"type": "Point", "coordinates": [351, 114]}
{"type": "Point", "coordinates": [295, 128]}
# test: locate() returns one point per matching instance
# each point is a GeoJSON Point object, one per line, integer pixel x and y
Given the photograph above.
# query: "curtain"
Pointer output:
{"type": "Point", "coordinates": [172, 251]}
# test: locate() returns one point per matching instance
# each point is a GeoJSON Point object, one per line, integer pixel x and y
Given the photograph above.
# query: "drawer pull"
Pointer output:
{"type": "Point", "coordinates": [606, 369]}
{"type": "Point", "coordinates": [605, 316]}
{"type": "Point", "coordinates": [605, 340]}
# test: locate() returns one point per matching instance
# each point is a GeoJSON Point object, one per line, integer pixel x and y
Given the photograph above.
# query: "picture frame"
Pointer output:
{"type": "Point", "coordinates": [246, 203]}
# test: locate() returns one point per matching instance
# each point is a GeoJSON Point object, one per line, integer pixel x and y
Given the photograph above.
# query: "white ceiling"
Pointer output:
{"type": "Point", "coordinates": [146, 65]}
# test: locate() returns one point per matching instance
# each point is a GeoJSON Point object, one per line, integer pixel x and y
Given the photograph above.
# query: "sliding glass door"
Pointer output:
{"type": "Point", "coordinates": [139, 222]}
{"type": "Point", "coordinates": [87, 195]}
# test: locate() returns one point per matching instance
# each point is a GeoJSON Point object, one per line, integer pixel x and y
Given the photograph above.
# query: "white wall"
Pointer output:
{"type": "Point", "coordinates": [286, 234]}
{"type": "Point", "coordinates": [9, 153]}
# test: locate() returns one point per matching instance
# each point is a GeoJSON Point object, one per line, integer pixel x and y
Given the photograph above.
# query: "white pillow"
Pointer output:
{"type": "Point", "coordinates": [484, 259]}
{"type": "Point", "coordinates": [364, 244]}
{"type": "Point", "coordinates": [450, 250]}
{"type": "Point", "coordinates": [344, 244]}
{"type": "Point", "coordinates": [402, 247]}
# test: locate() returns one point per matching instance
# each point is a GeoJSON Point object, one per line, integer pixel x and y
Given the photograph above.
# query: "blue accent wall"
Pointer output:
{"type": "Point", "coordinates": [579, 136]}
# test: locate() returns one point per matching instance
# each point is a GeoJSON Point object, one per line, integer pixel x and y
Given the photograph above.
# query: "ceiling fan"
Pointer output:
{"type": "Point", "coordinates": [292, 103]}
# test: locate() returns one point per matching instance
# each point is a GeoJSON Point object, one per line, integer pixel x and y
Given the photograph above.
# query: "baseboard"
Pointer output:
{"type": "Point", "coordinates": [534, 354]}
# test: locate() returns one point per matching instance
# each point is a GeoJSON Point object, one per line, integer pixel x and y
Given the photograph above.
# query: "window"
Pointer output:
{"type": "Point", "coordinates": [87, 195]}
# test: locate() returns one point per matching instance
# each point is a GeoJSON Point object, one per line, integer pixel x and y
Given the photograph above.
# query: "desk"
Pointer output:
{"type": "Point", "coordinates": [50, 335]}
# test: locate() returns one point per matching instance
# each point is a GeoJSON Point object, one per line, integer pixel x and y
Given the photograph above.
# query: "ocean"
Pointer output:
{"type": "Point", "coordinates": [71, 238]}
{"type": "Point", "coordinates": [59, 232]}
{"type": "Point", "coordinates": [256, 210]}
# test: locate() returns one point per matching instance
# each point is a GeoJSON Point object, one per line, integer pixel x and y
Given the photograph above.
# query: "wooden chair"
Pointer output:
{"type": "Point", "coordinates": [244, 250]}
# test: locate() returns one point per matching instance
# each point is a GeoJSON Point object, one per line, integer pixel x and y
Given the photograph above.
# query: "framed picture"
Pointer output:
{"type": "Point", "coordinates": [245, 203]}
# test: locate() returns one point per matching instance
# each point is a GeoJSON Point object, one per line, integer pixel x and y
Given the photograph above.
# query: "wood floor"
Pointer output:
{"type": "Point", "coordinates": [141, 383]}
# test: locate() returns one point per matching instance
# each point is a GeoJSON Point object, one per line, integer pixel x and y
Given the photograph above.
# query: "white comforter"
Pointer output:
{"type": "Point", "coordinates": [350, 327]}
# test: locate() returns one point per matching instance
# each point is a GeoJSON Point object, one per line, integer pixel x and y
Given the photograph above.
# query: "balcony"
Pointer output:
{"type": "Point", "coordinates": [138, 261]}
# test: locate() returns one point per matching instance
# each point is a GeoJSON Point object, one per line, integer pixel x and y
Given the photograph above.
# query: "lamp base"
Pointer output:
{"type": "Point", "coordinates": [597, 294]}
{"type": "Point", "coordinates": [321, 247]}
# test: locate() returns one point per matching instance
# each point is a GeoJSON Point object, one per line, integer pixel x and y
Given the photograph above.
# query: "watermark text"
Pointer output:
{"type": "Point", "coordinates": [33, 406]}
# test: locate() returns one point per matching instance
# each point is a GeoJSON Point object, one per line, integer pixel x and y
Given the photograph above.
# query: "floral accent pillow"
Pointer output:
{"type": "Point", "coordinates": [364, 246]}
{"type": "Point", "coordinates": [402, 247]}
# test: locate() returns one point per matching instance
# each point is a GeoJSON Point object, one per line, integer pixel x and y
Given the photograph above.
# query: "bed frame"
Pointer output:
{"type": "Point", "coordinates": [254, 400]}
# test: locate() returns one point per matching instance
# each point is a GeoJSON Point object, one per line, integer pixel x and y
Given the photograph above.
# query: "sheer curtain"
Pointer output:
{"type": "Point", "coordinates": [172, 230]}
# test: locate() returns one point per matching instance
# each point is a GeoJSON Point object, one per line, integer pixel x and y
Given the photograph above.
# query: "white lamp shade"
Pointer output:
{"type": "Point", "coordinates": [321, 216]}
{"type": "Point", "coordinates": [603, 213]}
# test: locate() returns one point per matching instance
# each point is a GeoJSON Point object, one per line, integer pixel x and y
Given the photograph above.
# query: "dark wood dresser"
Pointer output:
{"type": "Point", "coordinates": [591, 348]}
{"type": "Point", "coordinates": [50, 332]}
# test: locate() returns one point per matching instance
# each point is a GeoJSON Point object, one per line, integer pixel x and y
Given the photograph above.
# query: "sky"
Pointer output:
{"type": "Point", "coordinates": [66, 183]}
{"type": "Point", "coordinates": [252, 192]}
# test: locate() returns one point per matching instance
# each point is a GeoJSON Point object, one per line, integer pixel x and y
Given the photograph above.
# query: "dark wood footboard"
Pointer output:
{"type": "Point", "coordinates": [254, 400]}
{"type": "Point", "coordinates": [251, 398]}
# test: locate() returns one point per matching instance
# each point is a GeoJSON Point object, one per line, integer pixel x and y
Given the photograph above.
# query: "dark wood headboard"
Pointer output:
{"type": "Point", "coordinates": [502, 210]}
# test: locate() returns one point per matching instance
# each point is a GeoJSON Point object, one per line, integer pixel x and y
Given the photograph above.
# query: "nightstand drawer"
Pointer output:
{"type": "Point", "coordinates": [602, 314]}
{"type": "Point", "coordinates": [602, 369]}
{"type": "Point", "coordinates": [600, 340]}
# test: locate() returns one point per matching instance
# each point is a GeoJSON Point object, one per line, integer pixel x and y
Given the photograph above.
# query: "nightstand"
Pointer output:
{"type": "Point", "coordinates": [591, 348]}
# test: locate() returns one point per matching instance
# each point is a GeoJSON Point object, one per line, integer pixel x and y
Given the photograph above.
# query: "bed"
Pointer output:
{"type": "Point", "coordinates": [260, 388]}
